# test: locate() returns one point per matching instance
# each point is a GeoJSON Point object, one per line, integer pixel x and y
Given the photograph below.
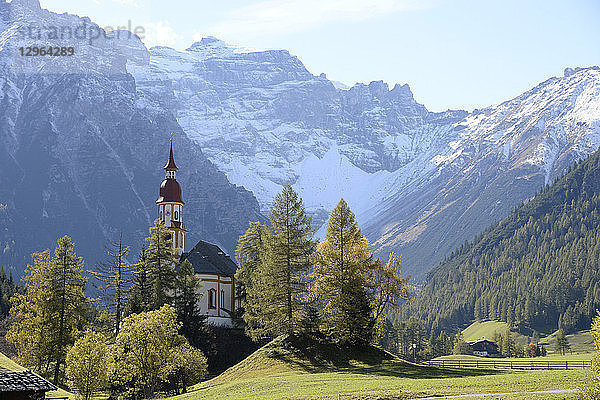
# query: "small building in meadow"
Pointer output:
{"type": "Point", "coordinates": [24, 385]}
{"type": "Point", "coordinates": [484, 348]}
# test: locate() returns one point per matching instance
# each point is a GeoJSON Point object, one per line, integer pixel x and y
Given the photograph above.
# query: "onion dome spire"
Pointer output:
{"type": "Point", "coordinates": [170, 191]}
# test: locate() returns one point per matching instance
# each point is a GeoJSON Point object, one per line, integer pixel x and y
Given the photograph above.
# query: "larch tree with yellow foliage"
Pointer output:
{"type": "Point", "coordinates": [354, 289]}
{"type": "Point", "coordinates": [48, 315]}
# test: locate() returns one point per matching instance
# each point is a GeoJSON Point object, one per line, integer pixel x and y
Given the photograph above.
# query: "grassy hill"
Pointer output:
{"type": "Point", "coordinates": [483, 330]}
{"type": "Point", "coordinates": [301, 368]}
{"type": "Point", "coordinates": [581, 342]}
{"type": "Point", "coordinates": [293, 354]}
{"type": "Point", "coordinates": [486, 330]}
{"type": "Point", "coordinates": [8, 365]}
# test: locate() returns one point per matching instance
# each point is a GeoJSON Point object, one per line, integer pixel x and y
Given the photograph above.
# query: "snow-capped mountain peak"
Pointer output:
{"type": "Point", "coordinates": [266, 121]}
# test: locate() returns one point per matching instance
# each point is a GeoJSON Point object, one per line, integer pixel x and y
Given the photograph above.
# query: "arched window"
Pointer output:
{"type": "Point", "coordinates": [176, 216]}
{"type": "Point", "coordinates": [160, 215]}
{"type": "Point", "coordinates": [222, 298]}
{"type": "Point", "coordinates": [212, 298]}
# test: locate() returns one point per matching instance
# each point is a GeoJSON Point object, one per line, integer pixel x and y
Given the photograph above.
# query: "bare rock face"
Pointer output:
{"type": "Point", "coordinates": [505, 155]}
{"type": "Point", "coordinates": [81, 152]}
{"type": "Point", "coordinates": [83, 140]}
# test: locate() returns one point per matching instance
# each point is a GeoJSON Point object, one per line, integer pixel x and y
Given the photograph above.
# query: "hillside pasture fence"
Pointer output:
{"type": "Point", "coordinates": [530, 364]}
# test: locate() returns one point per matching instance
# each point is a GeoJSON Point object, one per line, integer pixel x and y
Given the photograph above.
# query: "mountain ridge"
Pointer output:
{"type": "Point", "coordinates": [403, 169]}
{"type": "Point", "coordinates": [420, 182]}
{"type": "Point", "coordinates": [82, 151]}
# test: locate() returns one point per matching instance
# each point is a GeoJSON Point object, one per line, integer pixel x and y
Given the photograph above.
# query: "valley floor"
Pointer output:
{"type": "Point", "coordinates": [420, 383]}
{"type": "Point", "coordinates": [300, 368]}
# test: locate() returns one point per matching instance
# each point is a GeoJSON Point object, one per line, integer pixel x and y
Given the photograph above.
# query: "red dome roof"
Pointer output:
{"type": "Point", "coordinates": [170, 191]}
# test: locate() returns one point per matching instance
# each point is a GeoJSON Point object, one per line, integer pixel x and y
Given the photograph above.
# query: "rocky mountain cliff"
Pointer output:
{"type": "Point", "coordinates": [504, 156]}
{"type": "Point", "coordinates": [83, 141]}
{"type": "Point", "coordinates": [421, 182]}
{"type": "Point", "coordinates": [81, 151]}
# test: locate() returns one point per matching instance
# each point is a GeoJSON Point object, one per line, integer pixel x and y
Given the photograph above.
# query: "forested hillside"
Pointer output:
{"type": "Point", "coordinates": [538, 268]}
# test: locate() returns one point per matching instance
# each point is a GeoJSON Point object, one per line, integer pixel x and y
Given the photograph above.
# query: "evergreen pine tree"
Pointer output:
{"type": "Point", "coordinates": [250, 254]}
{"type": "Point", "coordinates": [288, 255]}
{"type": "Point", "coordinates": [274, 265]}
{"type": "Point", "coordinates": [186, 299]}
{"type": "Point", "coordinates": [460, 346]}
{"type": "Point", "coordinates": [508, 344]}
{"type": "Point", "coordinates": [562, 343]}
{"type": "Point", "coordinates": [141, 290]}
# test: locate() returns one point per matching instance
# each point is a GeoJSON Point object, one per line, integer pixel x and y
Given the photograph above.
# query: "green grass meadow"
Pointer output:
{"type": "Point", "coordinates": [292, 369]}
{"type": "Point", "coordinates": [301, 368]}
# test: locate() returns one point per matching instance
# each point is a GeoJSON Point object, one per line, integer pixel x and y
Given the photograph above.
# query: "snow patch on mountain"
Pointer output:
{"type": "Point", "coordinates": [266, 121]}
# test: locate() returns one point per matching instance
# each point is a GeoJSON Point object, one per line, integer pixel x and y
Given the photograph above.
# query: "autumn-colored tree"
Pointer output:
{"type": "Point", "coordinates": [591, 391]}
{"type": "Point", "coordinates": [343, 264]}
{"type": "Point", "coordinates": [146, 350]}
{"type": "Point", "coordinates": [48, 315]}
{"type": "Point", "coordinates": [388, 290]}
{"type": "Point", "coordinates": [190, 366]}
{"type": "Point", "coordinates": [28, 331]}
{"type": "Point", "coordinates": [87, 364]}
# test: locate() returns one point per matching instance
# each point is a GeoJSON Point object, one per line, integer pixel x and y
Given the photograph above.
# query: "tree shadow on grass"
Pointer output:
{"type": "Point", "coordinates": [316, 355]}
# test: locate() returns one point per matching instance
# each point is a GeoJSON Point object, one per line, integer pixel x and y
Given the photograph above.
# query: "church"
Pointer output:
{"type": "Point", "coordinates": [212, 266]}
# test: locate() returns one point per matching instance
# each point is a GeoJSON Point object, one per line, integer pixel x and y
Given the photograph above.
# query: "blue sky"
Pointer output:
{"type": "Point", "coordinates": [452, 53]}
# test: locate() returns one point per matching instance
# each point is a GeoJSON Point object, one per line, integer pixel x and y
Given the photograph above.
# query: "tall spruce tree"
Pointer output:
{"type": "Point", "coordinates": [186, 299]}
{"type": "Point", "coordinates": [140, 292]}
{"type": "Point", "coordinates": [562, 343]}
{"type": "Point", "coordinates": [52, 309]}
{"type": "Point", "coordinates": [343, 263]}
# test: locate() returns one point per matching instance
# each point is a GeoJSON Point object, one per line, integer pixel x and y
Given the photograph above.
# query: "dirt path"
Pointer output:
{"type": "Point", "coordinates": [459, 396]}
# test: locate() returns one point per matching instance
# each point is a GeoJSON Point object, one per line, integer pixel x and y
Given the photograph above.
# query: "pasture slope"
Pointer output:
{"type": "Point", "coordinates": [582, 343]}
{"type": "Point", "coordinates": [294, 367]}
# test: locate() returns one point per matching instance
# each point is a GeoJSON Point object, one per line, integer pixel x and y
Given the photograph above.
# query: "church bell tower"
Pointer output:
{"type": "Point", "coordinates": [170, 205]}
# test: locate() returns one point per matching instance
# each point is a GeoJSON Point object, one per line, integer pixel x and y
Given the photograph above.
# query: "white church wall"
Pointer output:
{"type": "Point", "coordinates": [222, 287]}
